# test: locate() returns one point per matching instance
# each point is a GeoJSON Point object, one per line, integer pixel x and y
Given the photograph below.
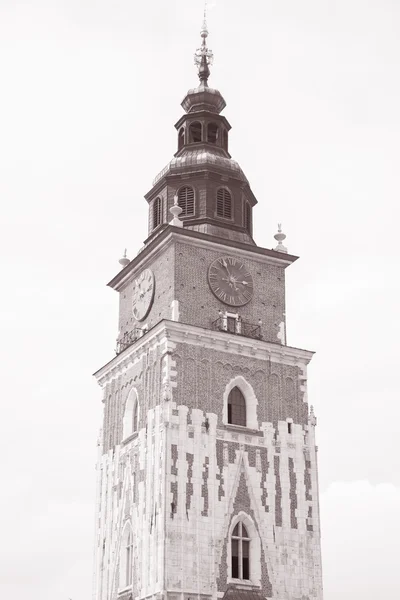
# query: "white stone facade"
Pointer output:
{"type": "Point", "coordinates": [184, 478]}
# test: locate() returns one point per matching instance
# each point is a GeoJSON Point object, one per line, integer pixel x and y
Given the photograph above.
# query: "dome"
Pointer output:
{"type": "Point", "coordinates": [203, 98]}
{"type": "Point", "coordinates": [201, 157]}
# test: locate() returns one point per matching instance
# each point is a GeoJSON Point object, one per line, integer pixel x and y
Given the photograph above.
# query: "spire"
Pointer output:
{"type": "Point", "coordinates": [203, 56]}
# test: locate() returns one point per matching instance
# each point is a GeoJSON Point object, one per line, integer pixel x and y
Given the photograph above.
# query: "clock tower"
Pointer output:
{"type": "Point", "coordinates": [207, 468]}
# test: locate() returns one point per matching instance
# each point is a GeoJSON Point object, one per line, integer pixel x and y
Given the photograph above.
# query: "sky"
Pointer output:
{"type": "Point", "coordinates": [90, 91]}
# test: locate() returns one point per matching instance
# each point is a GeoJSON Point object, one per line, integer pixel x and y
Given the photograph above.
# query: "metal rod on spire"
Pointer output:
{"type": "Point", "coordinates": [203, 57]}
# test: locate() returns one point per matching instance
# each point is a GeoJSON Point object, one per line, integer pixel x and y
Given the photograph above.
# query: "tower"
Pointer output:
{"type": "Point", "coordinates": [207, 469]}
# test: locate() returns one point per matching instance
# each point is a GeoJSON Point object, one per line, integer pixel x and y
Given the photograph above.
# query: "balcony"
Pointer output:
{"type": "Point", "coordinates": [236, 326]}
{"type": "Point", "coordinates": [129, 338]}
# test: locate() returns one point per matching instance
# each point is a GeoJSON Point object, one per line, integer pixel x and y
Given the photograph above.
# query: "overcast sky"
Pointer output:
{"type": "Point", "coordinates": [90, 91]}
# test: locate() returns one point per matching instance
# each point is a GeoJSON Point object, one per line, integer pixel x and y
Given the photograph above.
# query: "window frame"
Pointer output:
{"type": "Point", "coordinates": [255, 550]}
{"type": "Point", "coordinates": [130, 419]}
{"type": "Point", "coordinates": [241, 539]}
{"type": "Point", "coordinates": [196, 122]}
{"type": "Point", "coordinates": [184, 214]}
{"type": "Point", "coordinates": [157, 210]}
{"type": "Point", "coordinates": [240, 407]}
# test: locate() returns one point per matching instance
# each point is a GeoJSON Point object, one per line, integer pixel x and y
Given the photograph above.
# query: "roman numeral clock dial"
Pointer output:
{"type": "Point", "coordinates": [230, 281]}
{"type": "Point", "coordinates": [143, 294]}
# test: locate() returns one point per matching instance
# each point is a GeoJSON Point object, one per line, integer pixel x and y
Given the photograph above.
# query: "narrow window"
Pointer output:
{"type": "Point", "coordinates": [225, 140]}
{"type": "Point", "coordinates": [156, 212]}
{"type": "Point", "coordinates": [186, 201]}
{"type": "Point", "coordinates": [224, 203]}
{"type": "Point", "coordinates": [212, 133]}
{"type": "Point", "coordinates": [135, 418]}
{"type": "Point", "coordinates": [129, 556]}
{"type": "Point", "coordinates": [289, 428]}
{"type": "Point", "coordinates": [195, 132]}
{"type": "Point", "coordinates": [247, 217]}
{"type": "Point", "coordinates": [240, 549]}
{"type": "Point", "coordinates": [181, 138]}
{"type": "Point", "coordinates": [236, 407]}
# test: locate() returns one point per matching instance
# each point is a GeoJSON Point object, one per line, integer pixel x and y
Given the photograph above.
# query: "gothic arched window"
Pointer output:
{"type": "Point", "coordinates": [129, 557]}
{"type": "Point", "coordinates": [236, 407]}
{"type": "Point", "coordinates": [126, 558]}
{"type": "Point", "coordinates": [240, 551]}
{"type": "Point", "coordinates": [212, 133]}
{"type": "Point", "coordinates": [130, 420]}
{"type": "Point", "coordinates": [224, 203]}
{"type": "Point", "coordinates": [186, 201]}
{"type": "Point", "coordinates": [157, 206]}
{"type": "Point", "coordinates": [195, 132]}
{"type": "Point", "coordinates": [181, 138]}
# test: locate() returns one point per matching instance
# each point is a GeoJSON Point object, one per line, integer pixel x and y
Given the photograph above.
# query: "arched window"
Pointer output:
{"type": "Point", "coordinates": [236, 407]}
{"type": "Point", "coordinates": [157, 205]}
{"type": "Point", "coordinates": [186, 201]}
{"type": "Point", "coordinates": [212, 133]}
{"type": "Point", "coordinates": [126, 558]}
{"type": "Point", "coordinates": [195, 132]}
{"type": "Point", "coordinates": [225, 140]}
{"type": "Point", "coordinates": [247, 217]}
{"type": "Point", "coordinates": [181, 138]}
{"type": "Point", "coordinates": [131, 414]}
{"type": "Point", "coordinates": [224, 203]}
{"type": "Point", "coordinates": [240, 551]}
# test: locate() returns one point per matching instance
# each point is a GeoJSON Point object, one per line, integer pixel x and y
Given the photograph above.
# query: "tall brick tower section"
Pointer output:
{"type": "Point", "coordinates": [207, 469]}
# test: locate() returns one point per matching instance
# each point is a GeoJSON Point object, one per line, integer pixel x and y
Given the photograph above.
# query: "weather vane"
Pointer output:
{"type": "Point", "coordinates": [203, 57]}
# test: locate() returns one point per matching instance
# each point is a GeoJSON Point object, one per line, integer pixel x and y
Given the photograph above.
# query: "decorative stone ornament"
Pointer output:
{"type": "Point", "coordinates": [176, 210]}
{"type": "Point", "coordinates": [279, 238]}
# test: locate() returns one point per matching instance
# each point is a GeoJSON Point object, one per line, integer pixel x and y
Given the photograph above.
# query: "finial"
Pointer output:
{"type": "Point", "coordinates": [176, 210]}
{"type": "Point", "coordinates": [203, 57]}
{"type": "Point", "coordinates": [279, 238]}
{"type": "Point", "coordinates": [312, 419]}
{"type": "Point", "coordinates": [124, 261]}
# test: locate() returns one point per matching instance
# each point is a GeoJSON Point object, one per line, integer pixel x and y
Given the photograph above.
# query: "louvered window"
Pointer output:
{"type": "Point", "coordinates": [224, 203]}
{"type": "Point", "coordinates": [247, 217]}
{"type": "Point", "coordinates": [186, 201]}
{"type": "Point", "coordinates": [156, 212]}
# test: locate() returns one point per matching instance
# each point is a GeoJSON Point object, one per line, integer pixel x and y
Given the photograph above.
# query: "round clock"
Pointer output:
{"type": "Point", "coordinates": [143, 293]}
{"type": "Point", "coordinates": [230, 281]}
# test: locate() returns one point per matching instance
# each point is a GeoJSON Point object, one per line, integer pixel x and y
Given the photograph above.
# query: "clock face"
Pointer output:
{"type": "Point", "coordinates": [230, 281]}
{"type": "Point", "coordinates": [143, 293]}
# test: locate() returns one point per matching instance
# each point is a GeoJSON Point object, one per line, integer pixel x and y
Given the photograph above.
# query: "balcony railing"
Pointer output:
{"type": "Point", "coordinates": [129, 338]}
{"type": "Point", "coordinates": [237, 327]}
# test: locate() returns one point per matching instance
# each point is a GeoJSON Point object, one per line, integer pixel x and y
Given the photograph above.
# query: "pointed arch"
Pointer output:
{"type": "Point", "coordinates": [131, 414]}
{"type": "Point", "coordinates": [250, 399]}
{"type": "Point", "coordinates": [244, 550]}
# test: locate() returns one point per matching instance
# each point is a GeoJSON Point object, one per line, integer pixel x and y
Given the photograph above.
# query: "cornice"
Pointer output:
{"type": "Point", "coordinates": [170, 233]}
{"type": "Point", "coordinates": [170, 333]}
